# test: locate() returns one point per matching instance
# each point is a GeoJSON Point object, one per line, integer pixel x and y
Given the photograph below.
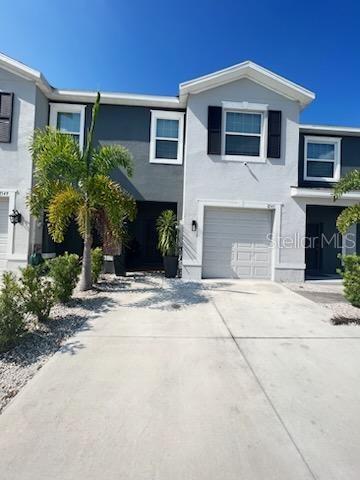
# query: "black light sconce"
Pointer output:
{"type": "Point", "coordinates": [194, 225]}
{"type": "Point", "coordinates": [15, 217]}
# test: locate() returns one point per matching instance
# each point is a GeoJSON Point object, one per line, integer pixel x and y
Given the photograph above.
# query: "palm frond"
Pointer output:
{"type": "Point", "coordinates": [117, 204]}
{"type": "Point", "coordinates": [347, 218]}
{"type": "Point", "coordinates": [56, 157]}
{"type": "Point", "coordinates": [350, 182]}
{"type": "Point", "coordinates": [62, 208]}
{"type": "Point", "coordinates": [110, 157]}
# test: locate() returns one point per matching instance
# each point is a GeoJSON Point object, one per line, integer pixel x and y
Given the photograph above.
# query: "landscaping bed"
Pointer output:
{"type": "Point", "coordinates": [42, 340]}
{"type": "Point", "coordinates": [330, 296]}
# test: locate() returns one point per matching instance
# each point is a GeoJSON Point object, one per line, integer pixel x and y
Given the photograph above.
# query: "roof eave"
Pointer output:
{"type": "Point", "coordinates": [330, 129]}
{"type": "Point", "coordinates": [115, 98]}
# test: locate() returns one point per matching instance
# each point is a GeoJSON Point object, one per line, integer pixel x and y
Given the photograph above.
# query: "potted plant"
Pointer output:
{"type": "Point", "coordinates": [167, 229]}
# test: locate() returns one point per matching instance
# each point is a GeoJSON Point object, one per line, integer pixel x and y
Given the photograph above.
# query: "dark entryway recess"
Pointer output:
{"type": "Point", "coordinates": [73, 243]}
{"type": "Point", "coordinates": [142, 252]}
{"type": "Point", "coordinates": [324, 242]}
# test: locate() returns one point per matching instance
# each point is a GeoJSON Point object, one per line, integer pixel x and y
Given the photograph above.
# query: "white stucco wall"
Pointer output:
{"type": "Point", "coordinates": [16, 164]}
{"type": "Point", "coordinates": [209, 177]}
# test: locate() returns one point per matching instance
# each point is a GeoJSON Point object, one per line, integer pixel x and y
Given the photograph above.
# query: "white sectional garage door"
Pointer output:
{"type": "Point", "coordinates": [4, 227]}
{"type": "Point", "coordinates": [237, 243]}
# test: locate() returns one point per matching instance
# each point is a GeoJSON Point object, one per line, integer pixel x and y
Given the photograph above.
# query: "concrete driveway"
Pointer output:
{"type": "Point", "coordinates": [199, 381]}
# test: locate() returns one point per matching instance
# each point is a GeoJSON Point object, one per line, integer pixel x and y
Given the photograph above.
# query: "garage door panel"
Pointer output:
{"type": "Point", "coordinates": [236, 243]}
{"type": "Point", "coordinates": [241, 272]}
{"type": "Point", "coordinates": [242, 257]}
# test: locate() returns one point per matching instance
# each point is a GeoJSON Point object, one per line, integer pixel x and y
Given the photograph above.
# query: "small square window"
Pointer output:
{"type": "Point", "coordinates": [322, 158]}
{"type": "Point", "coordinates": [166, 142]}
{"type": "Point", "coordinates": [69, 119]}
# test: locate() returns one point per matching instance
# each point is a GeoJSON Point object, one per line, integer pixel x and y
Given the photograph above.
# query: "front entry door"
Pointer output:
{"type": "Point", "coordinates": [313, 247]}
{"type": "Point", "coordinates": [142, 252]}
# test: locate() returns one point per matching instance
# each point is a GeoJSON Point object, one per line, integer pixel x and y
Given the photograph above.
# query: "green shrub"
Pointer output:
{"type": "Point", "coordinates": [12, 321]}
{"type": "Point", "coordinates": [38, 292]}
{"type": "Point", "coordinates": [351, 276]}
{"type": "Point", "coordinates": [97, 260]}
{"type": "Point", "coordinates": [65, 271]}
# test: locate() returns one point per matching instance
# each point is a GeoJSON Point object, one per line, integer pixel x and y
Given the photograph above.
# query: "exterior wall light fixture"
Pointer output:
{"type": "Point", "coordinates": [15, 217]}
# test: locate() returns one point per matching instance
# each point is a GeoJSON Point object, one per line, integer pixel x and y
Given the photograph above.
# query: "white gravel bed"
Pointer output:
{"type": "Point", "coordinates": [19, 364]}
{"type": "Point", "coordinates": [330, 296]}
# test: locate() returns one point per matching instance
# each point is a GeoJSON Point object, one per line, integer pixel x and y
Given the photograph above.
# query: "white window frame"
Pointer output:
{"type": "Point", "coordinates": [245, 107]}
{"type": "Point", "coordinates": [166, 115]}
{"type": "Point", "coordinates": [336, 141]}
{"type": "Point", "coordinates": [56, 108]}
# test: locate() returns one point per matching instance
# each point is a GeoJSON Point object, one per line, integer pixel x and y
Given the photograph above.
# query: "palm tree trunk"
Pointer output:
{"type": "Point", "coordinates": [85, 277]}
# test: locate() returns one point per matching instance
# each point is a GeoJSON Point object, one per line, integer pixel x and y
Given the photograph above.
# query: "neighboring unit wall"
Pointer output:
{"type": "Point", "coordinates": [210, 178]}
{"type": "Point", "coordinates": [16, 164]}
{"type": "Point", "coordinates": [130, 127]}
{"type": "Point", "coordinates": [350, 157]}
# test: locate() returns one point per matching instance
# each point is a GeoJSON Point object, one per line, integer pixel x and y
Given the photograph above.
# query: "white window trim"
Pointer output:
{"type": "Point", "coordinates": [337, 158]}
{"type": "Point", "coordinates": [56, 108]}
{"type": "Point", "coordinates": [166, 115]}
{"type": "Point", "coordinates": [245, 107]}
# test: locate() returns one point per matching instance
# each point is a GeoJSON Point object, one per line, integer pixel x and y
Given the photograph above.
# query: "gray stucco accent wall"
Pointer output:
{"type": "Point", "coordinates": [42, 109]}
{"type": "Point", "coordinates": [130, 126]}
{"type": "Point", "coordinates": [350, 158]}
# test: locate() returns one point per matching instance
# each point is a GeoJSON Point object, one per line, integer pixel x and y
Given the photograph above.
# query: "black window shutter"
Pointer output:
{"type": "Point", "coordinates": [214, 130]}
{"type": "Point", "coordinates": [6, 109]}
{"type": "Point", "coordinates": [274, 134]}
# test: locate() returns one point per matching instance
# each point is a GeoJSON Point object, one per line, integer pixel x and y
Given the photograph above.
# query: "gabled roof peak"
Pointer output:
{"type": "Point", "coordinates": [252, 71]}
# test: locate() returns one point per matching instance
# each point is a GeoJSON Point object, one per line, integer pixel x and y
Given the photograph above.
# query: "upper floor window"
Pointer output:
{"type": "Point", "coordinates": [322, 158]}
{"type": "Point", "coordinates": [69, 119]}
{"type": "Point", "coordinates": [244, 131]}
{"type": "Point", "coordinates": [166, 137]}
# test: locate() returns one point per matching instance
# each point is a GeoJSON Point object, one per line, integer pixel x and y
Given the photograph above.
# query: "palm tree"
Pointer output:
{"type": "Point", "coordinates": [71, 184]}
{"type": "Point", "coordinates": [350, 215]}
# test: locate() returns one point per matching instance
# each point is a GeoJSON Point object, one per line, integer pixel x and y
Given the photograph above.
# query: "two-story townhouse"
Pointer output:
{"type": "Point", "coordinates": [151, 127]}
{"type": "Point", "coordinates": [251, 194]}
{"type": "Point", "coordinates": [228, 154]}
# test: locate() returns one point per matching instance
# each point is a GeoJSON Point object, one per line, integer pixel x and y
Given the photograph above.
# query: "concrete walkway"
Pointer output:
{"type": "Point", "coordinates": [201, 381]}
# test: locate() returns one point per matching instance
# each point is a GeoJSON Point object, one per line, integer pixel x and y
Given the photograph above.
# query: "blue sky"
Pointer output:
{"type": "Point", "coordinates": [150, 46]}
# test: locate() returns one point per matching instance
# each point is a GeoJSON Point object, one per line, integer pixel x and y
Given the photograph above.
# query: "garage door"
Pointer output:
{"type": "Point", "coordinates": [4, 226]}
{"type": "Point", "coordinates": [237, 243]}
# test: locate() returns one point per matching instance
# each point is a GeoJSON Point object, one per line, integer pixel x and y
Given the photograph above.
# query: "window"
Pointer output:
{"type": "Point", "coordinates": [244, 126]}
{"type": "Point", "coordinates": [243, 134]}
{"type": "Point", "coordinates": [69, 119]}
{"type": "Point", "coordinates": [322, 158]}
{"type": "Point", "coordinates": [166, 142]}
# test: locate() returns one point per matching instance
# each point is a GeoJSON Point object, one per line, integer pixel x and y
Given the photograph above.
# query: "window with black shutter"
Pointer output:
{"type": "Point", "coordinates": [6, 110]}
